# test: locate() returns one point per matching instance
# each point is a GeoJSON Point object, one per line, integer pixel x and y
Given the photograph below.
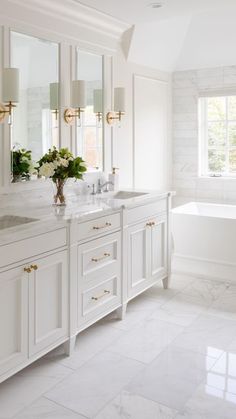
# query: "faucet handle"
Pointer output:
{"type": "Point", "coordinates": [93, 191]}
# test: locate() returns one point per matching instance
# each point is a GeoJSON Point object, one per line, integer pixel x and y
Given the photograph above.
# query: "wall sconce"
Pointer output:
{"type": "Point", "coordinates": [78, 101]}
{"type": "Point", "coordinates": [10, 92]}
{"type": "Point", "coordinates": [54, 99]}
{"type": "Point", "coordinates": [119, 106]}
{"type": "Point", "coordinates": [98, 104]}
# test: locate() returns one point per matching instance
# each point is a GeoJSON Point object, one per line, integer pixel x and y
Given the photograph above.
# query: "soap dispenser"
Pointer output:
{"type": "Point", "coordinates": [114, 179]}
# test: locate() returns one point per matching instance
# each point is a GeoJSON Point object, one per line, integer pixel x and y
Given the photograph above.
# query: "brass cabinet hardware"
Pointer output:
{"type": "Point", "coordinates": [151, 224]}
{"type": "Point", "coordinates": [105, 292]}
{"type": "Point", "coordinates": [34, 267]}
{"type": "Point", "coordinates": [28, 270]}
{"type": "Point", "coordinates": [106, 255]}
{"type": "Point", "coordinates": [100, 227]}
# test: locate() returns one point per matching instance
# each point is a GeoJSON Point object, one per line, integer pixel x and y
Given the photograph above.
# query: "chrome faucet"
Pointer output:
{"type": "Point", "coordinates": [100, 186]}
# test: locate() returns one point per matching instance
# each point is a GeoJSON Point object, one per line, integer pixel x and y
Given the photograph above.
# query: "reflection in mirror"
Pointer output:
{"type": "Point", "coordinates": [90, 128]}
{"type": "Point", "coordinates": [36, 119]}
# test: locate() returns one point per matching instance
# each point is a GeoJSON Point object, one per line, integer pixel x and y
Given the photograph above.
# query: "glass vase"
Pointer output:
{"type": "Point", "coordinates": [59, 198]}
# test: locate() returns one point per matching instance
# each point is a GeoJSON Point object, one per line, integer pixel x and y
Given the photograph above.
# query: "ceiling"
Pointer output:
{"type": "Point", "coordinates": [135, 11]}
{"type": "Point", "coordinates": [183, 34]}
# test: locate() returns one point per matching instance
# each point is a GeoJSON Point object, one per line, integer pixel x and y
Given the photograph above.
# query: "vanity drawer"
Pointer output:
{"type": "Point", "coordinates": [144, 211]}
{"type": "Point", "coordinates": [97, 299]}
{"type": "Point", "coordinates": [99, 258]}
{"type": "Point", "coordinates": [33, 246]}
{"type": "Point", "coordinates": [98, 226]}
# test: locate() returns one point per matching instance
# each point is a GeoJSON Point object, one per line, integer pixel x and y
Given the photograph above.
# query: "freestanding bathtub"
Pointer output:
{"type": "Point", "coordinates": [204, 240]}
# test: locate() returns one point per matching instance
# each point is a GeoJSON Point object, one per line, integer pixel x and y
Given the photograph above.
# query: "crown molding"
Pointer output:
{"type": "Point", "coordinates": [74, 13]}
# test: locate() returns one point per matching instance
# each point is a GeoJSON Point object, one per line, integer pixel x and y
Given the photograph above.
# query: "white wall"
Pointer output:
{"type": "Point", "coordinates": [129, 144]}
{"type": "Point", "coordinates": [190, 187]}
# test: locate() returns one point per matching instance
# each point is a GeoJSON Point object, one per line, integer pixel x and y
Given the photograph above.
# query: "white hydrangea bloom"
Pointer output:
{"type": "Point", "coordinates": [63, 162]}
{"type": "Point", "coordinates": [47, 170]}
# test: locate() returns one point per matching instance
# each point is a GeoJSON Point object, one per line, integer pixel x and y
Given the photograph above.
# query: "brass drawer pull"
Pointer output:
{"type": "Point", "coordinates": [105, 292]}
{"type": "Point", "coordinates": [106, 255]}
{"type": "Point", "coordinates": [34, 267]}
{"type": "Point", "coordinates": [151, 224]}
{"type": "Point", "coordinates": [28, 270]}
{"type": "Point", "coordinates": [100, 227]}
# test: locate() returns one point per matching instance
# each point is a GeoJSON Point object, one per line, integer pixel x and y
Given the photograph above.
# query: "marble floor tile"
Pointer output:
{"type": "Point", "coordinates": [209, 403]}
{"type": "Point", "coordinates": [88, 344]}
{"type": "Point", "coordinates": [93, 385]}
{"type": "Point", "coordinates": [160, 294]}
{"type": "Point", "coordinates": [225, 306]}
{"type": "Point", "coordinates": [223, 374]}
{"type": "Point", "coordinates": [20, 391]}
{"type": "Point", "coordinates": [172, 377]}
{"type": "Point", "coordinates": [146, 341]}
{"type": "Point", "coordinates": [143, 303]}
{"type": "Point", "coordinates": [130, 406]}
{"type": "Point", "coordinates": [132, 319]}
{"type": "Point", "coordinates": [206, 291]}
{"type": "Point", "coordinates": [179, 282]}
{"type": "Point", "coordinates": [183, 309]}
{"type": "Point", "coordinates": [209, 335]}
{"type": "Point", "coordinates": [46, 409]}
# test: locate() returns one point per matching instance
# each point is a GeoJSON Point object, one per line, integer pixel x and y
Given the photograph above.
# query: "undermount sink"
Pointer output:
{"type": "Point", "coordinates": [7, 221]}
{"type": "Point", "coordinates": [128, 194]}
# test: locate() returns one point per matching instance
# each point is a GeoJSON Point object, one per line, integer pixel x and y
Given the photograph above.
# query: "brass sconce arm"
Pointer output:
{"type": "Point", "coordinates": [6, 110]}
{"type": "Point", "coordinates": [114, 116]}
{"type": "Point", "coordinates": [71, 113]}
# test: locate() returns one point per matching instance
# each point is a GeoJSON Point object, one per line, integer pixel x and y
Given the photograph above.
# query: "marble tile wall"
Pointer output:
{"type": "Point", "coordinates": [186, 182]}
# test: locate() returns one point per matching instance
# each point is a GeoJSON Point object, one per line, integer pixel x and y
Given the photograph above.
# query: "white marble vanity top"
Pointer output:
{"type": "Point", "coordinates": [79, 207]}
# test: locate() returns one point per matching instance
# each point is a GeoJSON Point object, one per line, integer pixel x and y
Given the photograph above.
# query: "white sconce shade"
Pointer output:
{"type": "Point", "coordinates": [119, 99]}
{"type": "Point", "coordinates": [11, 85]}
{"type": "Point", "coordinates": [97, 101]}
{"type": "Point", "coordinates": [54, 96]}
{"type": "Point", "coordinates": [79, 94]}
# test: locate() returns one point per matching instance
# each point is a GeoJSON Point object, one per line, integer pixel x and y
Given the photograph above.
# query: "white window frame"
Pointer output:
{"type": "Point", "coordinates": [203, 137]}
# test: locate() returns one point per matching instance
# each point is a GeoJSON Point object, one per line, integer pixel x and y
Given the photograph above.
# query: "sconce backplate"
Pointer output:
{"type": "Point", "coordinates": [2, 112]}
{"type": "Point", "coordinates": [69, 115]}
{"type": "Point", "coordinates": [111, 117]}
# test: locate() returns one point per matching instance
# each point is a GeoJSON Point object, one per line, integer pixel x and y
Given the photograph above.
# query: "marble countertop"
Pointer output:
{"type": "Point", "coordinates": [79, 207]}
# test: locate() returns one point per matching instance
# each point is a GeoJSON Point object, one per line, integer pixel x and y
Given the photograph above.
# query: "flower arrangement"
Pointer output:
{"type": "Point", "coordinates": [60, 165]}
{"type": "Point", "coordinates": [22, 164]}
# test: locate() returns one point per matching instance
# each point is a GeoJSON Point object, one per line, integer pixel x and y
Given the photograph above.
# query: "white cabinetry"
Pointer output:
{"type": "Point", "coordinates": [147, 259]}
{"type": "Point", "coordinates": [33, 307]}
{"type": "Point", "coordinates": [48, 302]}
{"type": "Point", "coordinates": [145, 247]}
{"type": "Point", "coordinates": [13, 318]}
{"type": "Point", "coordinates": [99, 280]}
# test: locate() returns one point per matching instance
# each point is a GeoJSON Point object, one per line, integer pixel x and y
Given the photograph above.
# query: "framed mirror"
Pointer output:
{"type": "Point", "coordinates": [35, 126]}
{"type": "Point", "coordinates": [89, 130]}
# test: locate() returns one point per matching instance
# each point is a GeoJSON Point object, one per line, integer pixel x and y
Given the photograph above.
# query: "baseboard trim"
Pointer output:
{"type": "Point", "coordinates": [204, 268]}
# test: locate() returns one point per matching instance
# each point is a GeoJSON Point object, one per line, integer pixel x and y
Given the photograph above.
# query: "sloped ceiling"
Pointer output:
{"type": "Point", "coordinates": [182, 35]}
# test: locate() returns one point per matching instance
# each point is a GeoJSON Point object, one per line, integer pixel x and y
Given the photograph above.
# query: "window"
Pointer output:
{"type": "Point", "coordinates": [89, 130]}
{"type": "Point", "coordinates": [218, 136]}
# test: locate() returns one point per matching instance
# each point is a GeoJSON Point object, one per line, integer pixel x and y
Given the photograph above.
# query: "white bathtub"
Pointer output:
{"type": "Point", "coordinates": [204, 240]}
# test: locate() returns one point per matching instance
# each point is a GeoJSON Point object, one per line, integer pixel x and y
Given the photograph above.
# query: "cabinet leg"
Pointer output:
{"type": "Point", "coordinates": [121, 311]}
{"type": "Point", "coordinates": [165, 282]}
{"type": "Point", "coordinates": [69, 346]}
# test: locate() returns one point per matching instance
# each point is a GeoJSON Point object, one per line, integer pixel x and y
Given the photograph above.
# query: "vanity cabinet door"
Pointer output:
{"type": "Point", "coordinates": [137, 258]}
{"type": "Point", "coordinates": [158, 248]}
{"type": "Point", "coordinates": [13, 318]}
{"type": "Point", "coordinates": [48, 302]}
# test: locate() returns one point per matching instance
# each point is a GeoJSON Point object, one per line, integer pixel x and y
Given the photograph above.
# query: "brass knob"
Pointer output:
{"type": "Point", "coordinates": [28, 270]}
{"type": "Point", "coordinates": [34, 267]}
